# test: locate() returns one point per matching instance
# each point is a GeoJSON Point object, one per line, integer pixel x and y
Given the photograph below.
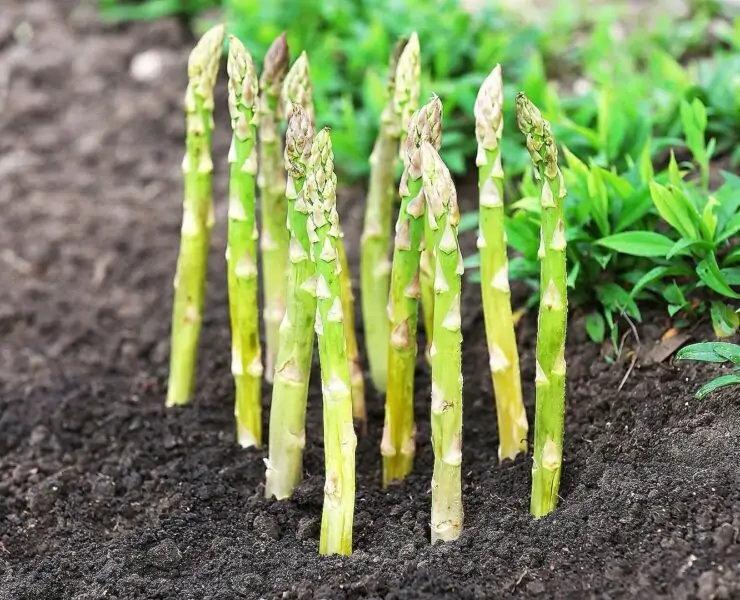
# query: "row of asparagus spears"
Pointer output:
{"type": "Point", "coordinates": [308, 288]}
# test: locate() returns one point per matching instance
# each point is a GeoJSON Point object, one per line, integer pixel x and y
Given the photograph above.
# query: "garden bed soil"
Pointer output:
{"type": "Point", "coordinates": [105, 494]}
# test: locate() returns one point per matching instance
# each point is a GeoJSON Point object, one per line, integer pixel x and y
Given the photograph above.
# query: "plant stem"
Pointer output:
{"type": "Point", "coordinates": [550, 367]}
{"type": "Point", "coordinates": [427, 268]}
{"type": "Point", "coordinates": [293, 367]}
{"type": "Point", "coordinates": [339, 432]}
{"type": "Point", "coordinates": [359, 412]}
{"type": "Point", "coordinates": [274, 206]}
{"type": "Point", "coordinates": [445, 349]}
{"type": "Point", "coordinates": [241, 250]}
{"type": "Point", "coordinates": [197, 219]}
{"type": "Point", "coordinates": [398, 443]}
{"type": "Point", "coordinates": [375, 267]}
{"type": "Point", "coordinates": [494, 269]}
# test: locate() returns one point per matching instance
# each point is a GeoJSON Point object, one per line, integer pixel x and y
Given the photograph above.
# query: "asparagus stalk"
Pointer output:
{"type": "Point", "coordinates": [241, 250]}
{"type": "Point", "coordinates": [398, 444]}
{"type": "Point", "coordinates": [550, 367]}
{"type": "Point", "coordinates": [290, 391]}
{"type": "Point", "coordinates": [445, 350]}
{"type": "Point", "coordinates": [359, 412]}
{"type": "Point", "coordinates": [426, 278]}
{"type": "Point", "coordinates": [197, 218]}
{"type": "Point", "coordinates": [297, 88]}
{"type": "Point", "coordinates": [502, 350]}
{"type": "Point", "coordinates": [274, 207]}
{"type": "Point", "coordinates": [339, 433]}
{"type": "Point", "coordinates": [375, 267]}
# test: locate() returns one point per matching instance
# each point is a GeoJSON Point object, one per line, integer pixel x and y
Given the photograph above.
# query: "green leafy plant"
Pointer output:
{"type": "Point", "coordinates": [714, 352]}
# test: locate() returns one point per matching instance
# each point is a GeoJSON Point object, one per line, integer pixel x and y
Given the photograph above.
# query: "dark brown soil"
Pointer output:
{"type": "Point", "coordinates": [104, 494]}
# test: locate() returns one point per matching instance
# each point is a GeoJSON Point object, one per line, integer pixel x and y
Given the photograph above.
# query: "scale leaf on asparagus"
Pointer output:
{"type": "Point", "coordinates": [339, 434]}
{"type": "Point", "coordinates": [495, 292]}
{"type": "Point", "coordinates": [197, 218]}
{"type": "Point", "coordinates": [446, 347]}
{"type": "Point", "coordinates": [551, 329]}
{"type": "Point", "coordinates": [274, 206]}
{"type": "Point", "coordinates": [375, 267]}
{"type": "Point", "coordinates": [398, 442]}
{"type": "Point", "coordinates": [290, 389]}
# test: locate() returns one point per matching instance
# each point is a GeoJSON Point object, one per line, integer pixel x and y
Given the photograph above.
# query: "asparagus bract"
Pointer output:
{"type": "Point", "coordinates": [550, 367]}
{"type": "Point", "coordinates": [445, 349]}
{"type": "Point", "coordinates": [197, 218]}
{"type": "Point", "coordinates": [274, 206]}
{"type": "Point", "coordinates": [402, 101]}
{"type": "Point", "coordinates": [293, 367]}
{"type": "Point", "coordinates": [398, 444]}
{"type": "Point", "coordinates": [502, 350]}
{"type": "Point", "coordinates": [359, 411]}
{"type": "Point", "coordinates": [339, 432]}
{"type": "Point", "coordinates": [241, 251]}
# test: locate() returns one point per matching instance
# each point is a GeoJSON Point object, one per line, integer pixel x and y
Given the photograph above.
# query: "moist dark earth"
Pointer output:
{"type": "Point", "coordinates": [105, 494]}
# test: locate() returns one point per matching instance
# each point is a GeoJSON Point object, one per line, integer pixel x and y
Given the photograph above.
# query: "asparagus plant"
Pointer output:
{"type": "Point", "coordinates": [402, 99]}
{"type": "Point", "coordinates": [445, 349]}
{"type": "Point", "coordinates": [293, 367]}
{"type": "Point", "coordinates": [241, 250]}
{"type": "Point", "coordinates": [550, 364]}
{"type": "Point", "coordinates": [197, 218]}
{"type": "Point", "coordinates": [398, 444]}
{"type": "Point", "coordinates": [426, 279]}
{"type": "Point", "coordinates": [339, 433]}
{"type": "Point", "coordinates": [274, 208]}
{"type": "Point", "coordinates": [504, 358]}
{"type": "Point", "coordinates": [297, 88]}
{"type": "Point", "coordinates": [359, 413]}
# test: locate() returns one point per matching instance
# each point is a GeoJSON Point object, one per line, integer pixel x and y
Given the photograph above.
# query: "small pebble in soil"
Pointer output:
{"type": "Point", "coordinates": [308, 528]}
{"type": "Point", "coordinates": [724, 536]}
{"type": "Point", "coordinates": [535, 587]}
{"type": "Point", "coordinates": [165, 555]}
{"type": "Point", "coordinates": [147, 65]}
{"type": "Point", "coordinates": [266, 526]}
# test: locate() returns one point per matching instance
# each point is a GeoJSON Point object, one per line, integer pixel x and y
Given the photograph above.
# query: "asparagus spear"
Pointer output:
{"type": "Point", "coordinates": [550, 367]}
{"type": "Point", "coordinates": [398, 444]}
{"type": "Point", "coordinates": [241, 251]}
{"type": "Point", "coordinates": [359, 413]}
{"type": "Point", "coordinates": [502, 350]}
{"type": "Point", "coordinates": [274, 207]}
{"type": "Point", "coordinates": [402, 100]}
{"type": "Point", "coordinates": [426, 279]}
{"type": "Point", "coordinates": [297, 88]}
{"type": "Point", "coordinates": [445, 350]}
{"type": "Point", "coordinates": [339, 433]}
{"type": "Point", "coordinates": [197, 218]}
{"type": "Point", "coordinates": [293, 367]}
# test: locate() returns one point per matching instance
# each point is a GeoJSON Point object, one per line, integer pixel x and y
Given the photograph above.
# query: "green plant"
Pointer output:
{"type": "Point", "coordinates": [339, 433]}
{"type": "Point", "coordinates": [273, 204]}
{"type": "Point", "coordinates": [445, 350]}
{"type": "Point", "coordinates": [714, 352]}
{"type": "Point", "coordinates": [495, 290]}
{"type": "Point", "coordinates": [241, 250]}
{"type": "Point", "coordinates": [197, 217]}
{"type": "Point", "coordinates": [293, 368]}
{"type": "Point", "coordinates": [551, 328]}
{"type": "Point", "coordinates": [398, 444]}
{"type": "Point", "coordinates": [375, 267]}
{"type": "Point", "coordinates": [149, 10]}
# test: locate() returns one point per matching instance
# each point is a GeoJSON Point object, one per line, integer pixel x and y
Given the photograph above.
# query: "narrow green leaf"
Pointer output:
{"type": "Point", "coordinates": [595, 327]}
{"type": "Point", "coordinates": [673, 211]}
{"type": "Point", "coordinates": [709, 272]}
{"type": "Point", "coordinates": [725, 321]}
{"type": "Point", "coordinates": [684, 246]}
{"type": "Point", "coordinates": [715, 352]}
{"type": "Point", "coordinates": [638, 243]}
{"type": "Point", "coordinates": [715, 384]}
{"type": "Point", "coordinates": [468, 221]}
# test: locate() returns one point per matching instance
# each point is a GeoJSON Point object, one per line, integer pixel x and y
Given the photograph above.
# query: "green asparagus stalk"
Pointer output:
{"type": "Point", "coordinates": [445, 350]}
{"type": "Point", "coordinates": [298, 89]}
{"type": "Point", "coordinates": [398, 443]}
{"type": "Point", "coordinates": [426, 279]}
{"type": "Point", "coordinates": [197, 218]}
{"type": "Point", "coordinates": [375, 266]}
{"type": "Point", "coordinates": [274, 207]}
{"type": "Point", "coordinates": [359, 412]}
{"type": "Point", "coordinates": [339, 433]}
{"type": "Point", "coordinates": [550, 366]}
{"type": "Point", "coordinates": [241, 249]}
{"type": "Point", "coordinates": [293, 367]}
{"type": "Point", "coordinates": [494, 269]}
